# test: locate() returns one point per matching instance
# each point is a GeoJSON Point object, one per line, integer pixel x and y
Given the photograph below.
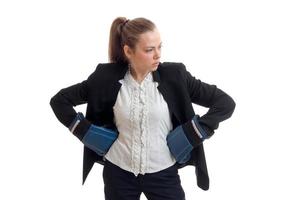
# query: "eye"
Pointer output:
{"type": "Point", "coordinates": [148, 50]}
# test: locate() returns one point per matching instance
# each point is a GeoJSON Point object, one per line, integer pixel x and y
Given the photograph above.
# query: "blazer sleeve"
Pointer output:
{"type": "Point", "coordinates": [66, 99]}
{"type": "Point", "coordinates": [220, 104]}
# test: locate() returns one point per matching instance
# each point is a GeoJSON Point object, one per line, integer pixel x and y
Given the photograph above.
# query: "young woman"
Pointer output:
{"type": "Point", "coordinates": [139, 122]}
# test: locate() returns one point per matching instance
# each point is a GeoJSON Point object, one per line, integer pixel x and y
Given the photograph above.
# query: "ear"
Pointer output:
{"type": "Point", "coordinates": [127, 51]}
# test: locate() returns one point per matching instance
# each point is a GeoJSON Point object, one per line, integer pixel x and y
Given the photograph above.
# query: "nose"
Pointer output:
{"type": "Point", "coordinates": [157, 54]}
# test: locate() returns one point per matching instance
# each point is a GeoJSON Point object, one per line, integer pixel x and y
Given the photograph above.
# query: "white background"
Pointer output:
{"type": "Point", "coordinates": [250, 49]}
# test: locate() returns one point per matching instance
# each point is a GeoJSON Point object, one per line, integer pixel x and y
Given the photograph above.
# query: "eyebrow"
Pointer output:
{"type": "Point", "coordinates": [153, 46]}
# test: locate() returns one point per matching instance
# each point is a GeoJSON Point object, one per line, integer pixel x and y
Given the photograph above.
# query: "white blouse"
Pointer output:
{"type": "Point", "coordinates": [143, 121]}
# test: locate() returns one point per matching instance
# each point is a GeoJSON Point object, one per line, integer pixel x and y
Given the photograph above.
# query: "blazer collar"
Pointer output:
{"type": "Point", "coordinates": [124, 68]}
{"type": "Point", "coordinates": [156, 76]}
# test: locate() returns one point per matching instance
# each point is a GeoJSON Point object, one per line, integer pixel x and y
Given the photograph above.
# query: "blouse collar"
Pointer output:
{"type": "Point", "coordinates": [129, 79]}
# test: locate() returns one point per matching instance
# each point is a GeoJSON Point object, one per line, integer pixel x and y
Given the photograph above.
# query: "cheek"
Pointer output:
{"type": "Point", "coordinates": [146, 56]}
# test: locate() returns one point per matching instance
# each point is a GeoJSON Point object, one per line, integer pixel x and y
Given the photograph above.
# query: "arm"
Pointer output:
{"type": "Point", "coordinates": [63, 102]}
{"type": "Point", "coordinates": [99, 139]}
{"type": "Point", "coordinates": [189, 135]}
{"type": "Point", "coordinates": [220, 104]}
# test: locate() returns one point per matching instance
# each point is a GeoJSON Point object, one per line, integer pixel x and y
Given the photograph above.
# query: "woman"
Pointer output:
{"type": "Point", "coordinates": [140, 123]}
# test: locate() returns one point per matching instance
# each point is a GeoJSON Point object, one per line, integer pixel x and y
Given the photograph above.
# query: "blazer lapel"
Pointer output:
{"type": "Point", "coordinates": [118, 74]}
{"type": "Point", "coordinates": [165, 89]}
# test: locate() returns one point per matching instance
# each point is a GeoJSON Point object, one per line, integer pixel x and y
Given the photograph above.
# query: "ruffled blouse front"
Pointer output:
{"type": "Point", "coordinates": [143, 121]}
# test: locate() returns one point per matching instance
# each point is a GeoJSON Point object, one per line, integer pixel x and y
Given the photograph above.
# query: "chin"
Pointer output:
{"type": "Point", "coordinates": [154, 68]}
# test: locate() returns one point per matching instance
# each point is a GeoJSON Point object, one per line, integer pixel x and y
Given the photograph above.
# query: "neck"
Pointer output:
{"type": "Point", "coordinates": [138, 75]}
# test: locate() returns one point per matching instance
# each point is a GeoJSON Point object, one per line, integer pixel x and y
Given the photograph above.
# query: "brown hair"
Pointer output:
{"type": "Point", "coordinates": [126, 32]}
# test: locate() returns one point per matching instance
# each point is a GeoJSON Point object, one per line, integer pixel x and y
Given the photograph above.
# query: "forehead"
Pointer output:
{"type": "Point", "coordinates": [149, 38]}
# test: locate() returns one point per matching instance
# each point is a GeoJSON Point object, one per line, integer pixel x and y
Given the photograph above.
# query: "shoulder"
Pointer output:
{"type": "Point", "coordinates": [107, 67]}
{"type": "Point", "coordinates": [105, 71]}
{"type": "Point", "coordinates": [173, 68]}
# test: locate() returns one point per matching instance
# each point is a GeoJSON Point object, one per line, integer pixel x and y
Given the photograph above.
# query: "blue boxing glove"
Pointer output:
{"type": "Point", "coordinates": [98, 139]}
{"type": "Point", "coordinates": [184, 138]}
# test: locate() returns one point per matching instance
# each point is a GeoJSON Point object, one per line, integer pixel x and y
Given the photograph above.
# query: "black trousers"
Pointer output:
{"type": "Point", "coordinates": [120, 184]}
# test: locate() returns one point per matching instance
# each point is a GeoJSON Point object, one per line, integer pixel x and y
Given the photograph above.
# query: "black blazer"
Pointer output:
{"type": "Point", "coordinates": [179, 89]}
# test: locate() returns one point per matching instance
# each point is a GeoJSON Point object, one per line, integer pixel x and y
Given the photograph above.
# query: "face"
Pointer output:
{"type": "Point", "coordinates": [146, 55]}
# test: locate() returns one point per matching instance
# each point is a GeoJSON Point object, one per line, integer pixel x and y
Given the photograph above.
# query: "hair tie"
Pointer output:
{"type": "Point", "coordinates": [125, 22]}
